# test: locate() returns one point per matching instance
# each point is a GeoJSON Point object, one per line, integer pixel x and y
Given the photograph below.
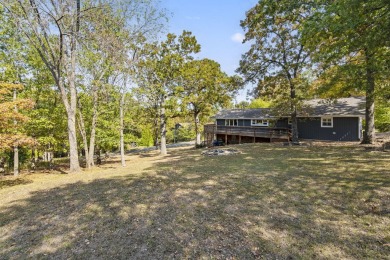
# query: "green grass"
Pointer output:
{"type": "Point", "coordinates": [270, 202]}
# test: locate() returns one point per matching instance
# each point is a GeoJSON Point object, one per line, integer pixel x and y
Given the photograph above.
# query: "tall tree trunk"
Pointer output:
{"type": "Point", "coordinates": [196, 118]}
{"type": "Point", "coordinates": [93, 127]}
{"type": "Point", "coordinates": [95, 100]}
{"type": "Point", "coordinates": [74, 165]}
{"type": "Point", "coordinates": [73, 155]}
{"type": "Point", "coordinates": [16, 160]}
{"type": "Point", "coordinates": [156, 129]}
{"type": "Point", "coordinates": [70, 107]}
{"type": "Point", "coordinates": [163, 124]}
{"type": "Point", "coordinates": [121, 118]}
{"type": "Point", "coordinates": [83, 133]}
{"type": "Point", "coordinates": [369, 130]}
{"type": "Point", "coordinates": [54, 58]}
{"type": "Point", "coordinates": [74, 158]}
{"type": "Point", "coordinates": [16, 148]}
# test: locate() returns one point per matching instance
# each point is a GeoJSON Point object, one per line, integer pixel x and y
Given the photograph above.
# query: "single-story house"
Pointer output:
{"type": "Point", "coordinates": [318, 119]}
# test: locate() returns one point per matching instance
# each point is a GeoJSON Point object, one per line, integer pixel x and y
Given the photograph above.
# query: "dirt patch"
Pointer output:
{"type": "Point", "coordinates": [217, 152]}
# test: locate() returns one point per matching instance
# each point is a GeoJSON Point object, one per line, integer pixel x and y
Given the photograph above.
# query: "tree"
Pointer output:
{"type": "Point", "coordinates": [242, 105]}
{"type": "Point", "coordinates": [382, 111]}
{"type": "Point", "coordinates": [97, 59]}
{"type": "Point", "coordinates": [12, 120]}
{"type": "Point", "coordinates": [46, 120]}
{"type": "Point", "coordinates": [122, 103]}
{"type": "Point", "coordinates": [11, 53]}
{"type": "Point", "coordinates": [107, 134]}
{"type": "Point", "coordinates": [159, 74]}
{"type": "Point", "coordinates": [355, 35]}
{"type": "Point", "coordinates": [260, 103]}
{"type": "Point", "coordinates": [52, 28]}
{"type": "Point", "coordinates": [19, 62]}
{"type": "Point", "coordinates": [149, 108]}
{"type": "Point", "coordinates": [205, 87]}
{"type": "Point", "coordinates": [276, 54]}
{"type": "Point", "coordinates": [64, 31]}
{"type": "Point", "coordinates": [142, 20]}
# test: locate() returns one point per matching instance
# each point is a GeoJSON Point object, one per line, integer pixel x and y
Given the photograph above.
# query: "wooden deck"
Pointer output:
{"type": "Point", "coordinates": [271, 133]}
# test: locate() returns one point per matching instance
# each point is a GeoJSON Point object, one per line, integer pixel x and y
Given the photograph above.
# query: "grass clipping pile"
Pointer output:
{"type": "Point", "coordinates": [216, 152]}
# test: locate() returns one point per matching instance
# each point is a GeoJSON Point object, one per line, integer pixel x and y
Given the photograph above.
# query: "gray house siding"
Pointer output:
{"type": "Point", "coordinates": [345, 125]}
{"type": "Point", "coordinates": [283, 122]}
{"type": "Point", "coordinates": [246, 122]}
{"type": "Point", "coordinates": [220, 121]}
{"type": "Point", "coordinates": [344, 129]}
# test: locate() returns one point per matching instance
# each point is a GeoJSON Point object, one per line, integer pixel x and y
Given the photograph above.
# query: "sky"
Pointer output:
{"type": "Point", "coordinates": [216, 26]}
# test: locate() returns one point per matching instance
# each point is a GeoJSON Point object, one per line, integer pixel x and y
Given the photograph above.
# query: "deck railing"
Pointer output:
{"type": "Point", "coordinates": [251, 131]}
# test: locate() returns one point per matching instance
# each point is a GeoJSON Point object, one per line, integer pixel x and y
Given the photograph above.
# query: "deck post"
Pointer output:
{"type": "Point", "coordinates": [211, 133]}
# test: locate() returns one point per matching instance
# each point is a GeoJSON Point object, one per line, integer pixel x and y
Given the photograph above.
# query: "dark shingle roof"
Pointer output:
{"type": "Point", "coordinates": [253, 113]}
{"type": "Point", "coordinates": [353, 106]}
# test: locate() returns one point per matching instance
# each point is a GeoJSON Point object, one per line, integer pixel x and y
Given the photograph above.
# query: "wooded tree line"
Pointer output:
{"type": "Point", "coordinates": [78, 77]}
{"type": "Point", "coordinates": [94, 75]}
{"type": "Point", "coordinates": [329, 49]}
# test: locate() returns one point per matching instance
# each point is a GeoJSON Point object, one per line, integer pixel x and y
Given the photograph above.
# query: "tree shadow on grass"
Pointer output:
{"type": "Point", "coordinates": [199, 207]}
{"type": "Point", "coordinates": [4, 183]}
{"type": "Point", "coordinates": [290, 209]}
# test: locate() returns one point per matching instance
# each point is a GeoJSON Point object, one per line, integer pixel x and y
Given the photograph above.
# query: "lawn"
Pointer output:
{"type": "Point", "coordinates": [270, 201]}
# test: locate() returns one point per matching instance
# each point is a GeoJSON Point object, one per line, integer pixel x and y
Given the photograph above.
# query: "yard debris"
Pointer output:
{"type": "Point", "coordinates": [216, 152]}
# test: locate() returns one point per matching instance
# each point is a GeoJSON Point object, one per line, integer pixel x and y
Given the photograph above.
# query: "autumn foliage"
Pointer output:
{"type": "Point", "coordinates": [12, 118]}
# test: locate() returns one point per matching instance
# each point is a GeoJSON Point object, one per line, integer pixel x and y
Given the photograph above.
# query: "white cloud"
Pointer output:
{"type": "Point", "coordinates": [238, 37]}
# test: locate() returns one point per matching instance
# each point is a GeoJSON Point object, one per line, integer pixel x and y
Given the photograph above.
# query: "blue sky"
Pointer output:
{"type": "Point", "coordinates": [216, 25]}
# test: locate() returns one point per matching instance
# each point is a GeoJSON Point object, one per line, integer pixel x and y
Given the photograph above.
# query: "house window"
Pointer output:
{"type": "Point", "coordinates": [231, 122]}
{"type": "Point", "coordinates": [259, 122]}
{"type": "Point", "coordinates": [289, 121]}
{"type": "Point", "coordinates": [326, 121]}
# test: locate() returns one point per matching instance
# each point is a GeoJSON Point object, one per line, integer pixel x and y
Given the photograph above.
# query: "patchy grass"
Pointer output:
{"type": "Point", "coordinates": [270, 202]}
{"type": "Point", "coordinates": [11, 181]}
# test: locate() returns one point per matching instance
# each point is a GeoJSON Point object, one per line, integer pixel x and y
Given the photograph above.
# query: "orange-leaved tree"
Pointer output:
{"type": "Point", "coordinates": [12, 119]}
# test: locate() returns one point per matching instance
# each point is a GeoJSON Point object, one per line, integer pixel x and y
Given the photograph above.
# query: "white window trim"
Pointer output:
{"type": "Point", "coordinates": [228, 121]}
{"type": "Point", "coordinates": [264, 122]}
{"type": "Point", "coordinates": [327, 126]}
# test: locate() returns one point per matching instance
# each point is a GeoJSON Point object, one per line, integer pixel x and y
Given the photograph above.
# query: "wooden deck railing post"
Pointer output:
{"type": "Point", "coordinates": [211, 132]}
